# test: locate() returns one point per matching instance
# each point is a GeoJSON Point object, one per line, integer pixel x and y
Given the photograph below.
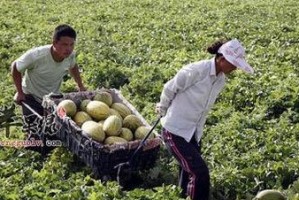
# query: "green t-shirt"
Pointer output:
{"type": "Point", "coordinates": [42, 75]}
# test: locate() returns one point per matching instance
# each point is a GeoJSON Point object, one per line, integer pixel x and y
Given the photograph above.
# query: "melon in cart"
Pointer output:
{"type": "Point", "coordinates": [68, 106]}
{"type": "Point", "coordinates": [132, 122]}
{"type": "Point", "coordinates": [112, 125]}
{"type": "Point", "coordinates": [122, 109]}
{"type": "Point", "coordinates": [98, 110]}
{"type": "Point", "coordinates": [94, 130]}
{"type": "Point", "coordinates": [114, 140]}
{"type": "Point", "coordinates": [126, 134]}
{"type": "Point", "coordinates": [81, 117]}
{"type": "Point", "coordinates": [103, 96]}
{"type": "Point", "coordinates": [141, 132]}
{"type": "Point", "coordinates": [83, 104]}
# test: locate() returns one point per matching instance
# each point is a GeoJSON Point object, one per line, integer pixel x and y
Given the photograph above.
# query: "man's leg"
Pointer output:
{"type": "Point", "coordinates": [32, 124]}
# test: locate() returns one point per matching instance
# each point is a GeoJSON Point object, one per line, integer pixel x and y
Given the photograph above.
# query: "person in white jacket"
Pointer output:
{"type": "Point", "coordinates": [184, 104]}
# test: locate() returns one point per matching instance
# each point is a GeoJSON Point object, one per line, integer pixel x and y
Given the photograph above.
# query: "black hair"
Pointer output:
{"type": "Point", "coordinates": [64, 30]}
{"type": "Point", "coordinates": [213, 49]}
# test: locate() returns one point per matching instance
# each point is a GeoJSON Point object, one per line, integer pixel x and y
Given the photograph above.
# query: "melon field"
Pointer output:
{"type": "Point", "coordinates": [251, 138]}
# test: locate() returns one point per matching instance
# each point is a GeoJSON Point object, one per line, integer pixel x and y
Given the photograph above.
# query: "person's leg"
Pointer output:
{"type": "Point", "coordinates": [31, 120]}
{"type": "Point", "coordinates": [183, 181]}
{"type": "Point", "coordinates": [202, 180]}
{"type": "Point", "coordinates": [32, 123]}
{"type": "Point", "coordinates": [191, 161]}
{"type": "Point", "coordinates": [183, 177]}
{"type": "Point", "coordinates": [34, 104]}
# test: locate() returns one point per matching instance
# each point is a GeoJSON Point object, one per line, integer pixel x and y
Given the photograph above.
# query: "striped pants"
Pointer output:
{"type": "Point", "coordinates": [194, 175]}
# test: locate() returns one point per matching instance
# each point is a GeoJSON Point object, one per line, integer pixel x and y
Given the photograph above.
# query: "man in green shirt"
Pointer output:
{"type": "Point", "coordinates": [40, 71]}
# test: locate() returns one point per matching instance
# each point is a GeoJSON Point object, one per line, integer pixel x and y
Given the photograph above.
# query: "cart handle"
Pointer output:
{"type": "Point", "coordinates": [32, 110]}
{"type": "Point", "coordinates": [130, 161]}
{"type": "Point", "coordinates": [144, 140]}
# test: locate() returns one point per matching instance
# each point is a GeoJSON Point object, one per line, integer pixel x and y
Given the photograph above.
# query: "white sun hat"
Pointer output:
{"type": "Point", "coordinates": [234, 53]}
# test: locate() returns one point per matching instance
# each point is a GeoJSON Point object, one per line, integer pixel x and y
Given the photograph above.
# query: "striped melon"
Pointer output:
{"type": "Point", "coordinates": [127, 134]}
{"type": "Point", "coordinates": [132, 122]}
{"type": "Point", "coordinates": [68, 106]}
{"type": "Point", "coordinates": [114, 112]}
{"type": "Point", "coordinates": [114, 140]}
{"type": "Point", "coordinates": [83, 104]}
{"type": "Point", "coordinates": [112, 125]}
{"type": "Point", "coordinates": [122, 109]}
{"type": "Point", "coordinates": [94, 130]}
{"type": "Point", "coordinates": [97, 110]}
{"type": "Point", "coordinates": [270, 195]}
{"type": "Point", "coordinates": [81, 117]}
{"type": "Point", "coordinates": [141, 132]}
{"type": "Point", "coordinates": [103, 96]}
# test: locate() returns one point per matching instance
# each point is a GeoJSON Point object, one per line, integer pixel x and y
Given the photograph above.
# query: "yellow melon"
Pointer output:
{"type": "Point", "coordinates": [68, 106]}
{"type": "Point", "coordinates": [141, 132]}
{"type": "Point", "coordinates": [94, 130]}
{"type": "Point", "coordinates": [83, 104]}
{"type": "Point", "coordinates": [114, 140]}
{"type": "Point", "coordinates": [270, 194]}
{"type": "Point", "coordinates": [132, 122]}
{"type": "Point", "coordinates": [114, 112]}
{"type": "Point", "coordinates": [112, 125]}
{"type": "Point", "coordinates": [122, 109]}
{"type": "Point", "coordinates": [103, 96]}
{"type": "Point", "coordinates": [97, 110]}
{"type": "Point", "coordinates": [101, 122]}
{"type": "Point", "coordinates": [81, 117]}
{"type": "Point", "coordinates": [127, 134]}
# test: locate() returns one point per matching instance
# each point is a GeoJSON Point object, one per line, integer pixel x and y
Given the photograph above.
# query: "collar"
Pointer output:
{"type": "Point", "coordinates": [213, 67]}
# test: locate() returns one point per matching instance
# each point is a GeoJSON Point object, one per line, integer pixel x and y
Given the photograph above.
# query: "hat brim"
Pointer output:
{"type": "Point", "coordinates": [240, 63]}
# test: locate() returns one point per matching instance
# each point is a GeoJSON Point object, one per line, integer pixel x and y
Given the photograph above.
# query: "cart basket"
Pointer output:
{"type": "Point", "coordinates": [100, 157]}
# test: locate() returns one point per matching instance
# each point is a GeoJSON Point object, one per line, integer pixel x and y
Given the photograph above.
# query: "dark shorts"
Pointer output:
{"type": "Point", "coordinates": [32, 124]}
{"type": "Point", "coordinates": [34, 104]}
{"type": "Point", "coordinates": [39, 126]}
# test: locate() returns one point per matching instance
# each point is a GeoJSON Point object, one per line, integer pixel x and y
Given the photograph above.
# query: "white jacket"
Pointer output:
{"type": "Point", "coordinates": [189, 96]}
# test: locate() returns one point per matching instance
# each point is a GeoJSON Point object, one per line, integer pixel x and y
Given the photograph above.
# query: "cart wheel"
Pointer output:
{"type": "Point", "coordinates": [106, 178]}
{"type": "Point", "coordinates": [124, 176]}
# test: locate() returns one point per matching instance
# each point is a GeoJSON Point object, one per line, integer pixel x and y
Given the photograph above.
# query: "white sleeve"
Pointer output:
{"type": "Point", "coordinates": [186, 77]}
{"type": "Point", "coordinates": [23, 62]}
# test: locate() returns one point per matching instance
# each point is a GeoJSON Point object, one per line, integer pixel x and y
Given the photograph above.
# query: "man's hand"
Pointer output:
{"type": "Point", "coordinates": [19, 97]}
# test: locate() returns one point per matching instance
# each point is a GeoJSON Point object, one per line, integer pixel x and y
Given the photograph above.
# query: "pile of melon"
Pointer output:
{"type": "Point", "coordinates": [104, 120]}
{"type": "Point", "coordinates": [270, 194]}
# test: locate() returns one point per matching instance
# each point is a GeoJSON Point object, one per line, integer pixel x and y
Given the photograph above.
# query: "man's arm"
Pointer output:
{"type": "Point", "coordinates": [17, 78]}
{"type": "Point", "coordinates": [75, 73]}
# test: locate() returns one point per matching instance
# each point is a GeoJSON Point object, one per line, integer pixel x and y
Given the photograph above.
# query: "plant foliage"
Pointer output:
{"type": "Point", "coordinates": [251, 136]}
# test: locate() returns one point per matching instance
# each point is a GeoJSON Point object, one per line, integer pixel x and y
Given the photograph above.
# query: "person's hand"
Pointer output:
{"type": "Point", "coordinates": [19, 97]}
{"type": "Point", "coordinates": [82, 88]}
{"type": "Point", "coordinates": [160, 110]}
